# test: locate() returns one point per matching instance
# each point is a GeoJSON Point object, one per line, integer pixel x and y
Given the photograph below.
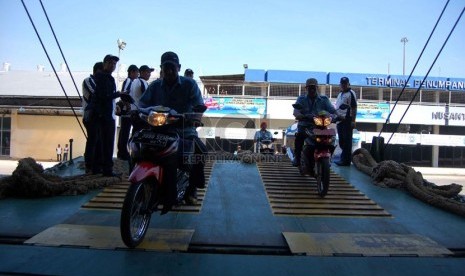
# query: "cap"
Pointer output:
{"type": "Point", "coordinates": [146, 68]}
{"type": "Point", "coordinates": [110, 57]}
{"type": "Point", "coordinates": [132, 67]}
{"type": "Point", "coordinates": [188, 71]}
{"type": "Point", "coordinates": [344, 80]}
{"type": "Point", "coordinates": [311, 81]}
{"type": "Point", "coordinates": [169, 57]}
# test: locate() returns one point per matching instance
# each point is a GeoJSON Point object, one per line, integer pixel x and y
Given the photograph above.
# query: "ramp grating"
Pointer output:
{"type": "Point", "coordinates": [291, 194]}
{"type": "Point", "coordinates": [111, 198]}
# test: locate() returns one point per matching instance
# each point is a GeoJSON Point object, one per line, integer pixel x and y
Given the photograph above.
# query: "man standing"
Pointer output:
{"type": "Point", "coordinates": [189, 73]}
{"type": "Point", "coordinates": [311, 104]}
{"type": "Point", "coordinates": [262, 134]}
{"type": "Point", "coordinates": [181, 94]}
{"type": "Point", "coordinates": [102, 105]}
{"type": "Point", "coordinates": [145, 73]}
{"type": "Point", "coordinates": [58, 150]}
{"type": "Point", "coordinates": [346, 107]}
{"type": "Point", "coordinates": [130, 85]}
{"type": "Point", "coordinates": [65, 153]}
{"type": "Point", "coordinates": [88, 90]}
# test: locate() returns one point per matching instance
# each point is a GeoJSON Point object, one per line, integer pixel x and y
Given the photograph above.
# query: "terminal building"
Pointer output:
{"type": "Point", "coordinates": [36, 115]}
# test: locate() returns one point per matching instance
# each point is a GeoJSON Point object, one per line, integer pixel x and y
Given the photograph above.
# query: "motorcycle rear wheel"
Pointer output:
{"type": "Point", "coordinates": [135, 214]}
{"type": "Point", "coordinates": [322, 177]}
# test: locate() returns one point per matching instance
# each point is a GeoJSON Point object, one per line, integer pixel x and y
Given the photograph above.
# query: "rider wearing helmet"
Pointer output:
{"type": "Point", "coordinates": [181, 94]}
{"type": "Point", "coordinates": [311, 104]}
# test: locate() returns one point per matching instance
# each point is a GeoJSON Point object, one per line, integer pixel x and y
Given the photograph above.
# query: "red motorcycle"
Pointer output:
{"type": "Point", "coordinates": [151, 149]}
{"type": "Point", "coordinates": [322, 139]}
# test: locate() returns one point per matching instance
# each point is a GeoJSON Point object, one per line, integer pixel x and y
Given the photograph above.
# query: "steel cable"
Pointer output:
{"type": "Point", "coordinates": [53, 67]}
{"type": "Point", "coordinates": [424, 78]}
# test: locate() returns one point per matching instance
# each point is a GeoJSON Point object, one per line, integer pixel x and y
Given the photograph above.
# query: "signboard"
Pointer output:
{"type": "Point", "coordinates": [372, 112]}
{"type": "Point", "coordinates": [429, 115]}
{"type": "Point", "coordinates": [234, 106]}
{"type": "Point", "coordinates": [414, 138]}
{"type": "Point", "coordinates": [399, 81]}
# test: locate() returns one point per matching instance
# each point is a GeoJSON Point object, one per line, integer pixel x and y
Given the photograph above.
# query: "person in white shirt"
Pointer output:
{"type": "Point", "coordinates": [58, 150]}
{"type": "Point", "coordinates": [346, 110]}
{"type": "Point", "coordinates": [65, 153]}
{"type": "Point", "coordinates": [145, 73]}
{"type": "Point", "coordinates": [130, 85]}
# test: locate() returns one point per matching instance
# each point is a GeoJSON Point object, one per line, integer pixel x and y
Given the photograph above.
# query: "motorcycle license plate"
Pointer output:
{"type": "Point", "coordinates": [324, 132]}
{"type": "Point", "coordinates": [153, 139]}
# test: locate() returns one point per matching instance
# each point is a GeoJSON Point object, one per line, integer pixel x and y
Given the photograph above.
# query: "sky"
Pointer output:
{"type": "Point", "coordinates": [215, 37]}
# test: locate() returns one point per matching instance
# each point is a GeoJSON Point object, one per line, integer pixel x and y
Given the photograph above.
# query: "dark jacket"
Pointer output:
{"type": "Point", "coordinates": [102, 102]}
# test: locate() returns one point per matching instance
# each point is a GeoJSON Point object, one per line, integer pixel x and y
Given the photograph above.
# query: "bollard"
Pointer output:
{"type": "Point", "coordinates": [377, 148]}
{"type": "Point", "coordinates": [71, 151]}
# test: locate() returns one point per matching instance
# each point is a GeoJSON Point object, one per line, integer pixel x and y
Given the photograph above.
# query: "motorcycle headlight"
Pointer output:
{"type": "Point", "coordinates": [327, 121]}
{"type": "Point", "coordinates": [156, 119]}
{"type": "Point", "coordinates": [318, 121]}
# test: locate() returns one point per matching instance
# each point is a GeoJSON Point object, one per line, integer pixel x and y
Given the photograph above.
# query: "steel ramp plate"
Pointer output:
{"type": "Point", "coordinates": [112, 197]}
{"type": "Point", "coordinates": [107, 237]}
{"type": "Point", "coordinates": [292, 194]}
{"type": "Point", "coordinates": [339, 244]}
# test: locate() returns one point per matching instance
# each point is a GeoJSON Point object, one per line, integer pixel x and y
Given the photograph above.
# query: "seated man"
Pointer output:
{"type": "Point", "coordinates": [181, 94]}
{"type": "Point", "coordinates": [262, 135]}
{"type": "Point", "coordinates": [311, 104]}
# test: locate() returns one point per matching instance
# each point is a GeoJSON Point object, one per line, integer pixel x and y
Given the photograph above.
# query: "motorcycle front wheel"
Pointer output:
{"type": "Point", "coordinates": [322, 176]}
{"type": "Point", "coordinates": [135, 214]}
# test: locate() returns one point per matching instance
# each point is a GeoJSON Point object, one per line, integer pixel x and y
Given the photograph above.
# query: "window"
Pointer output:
{"type": "Point", "coordinates": [5, 137]}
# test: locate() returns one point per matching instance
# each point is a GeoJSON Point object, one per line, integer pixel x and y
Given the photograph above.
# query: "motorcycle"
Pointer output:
{"type": "Point", "coordinates": [266, 146]}
{"type": "Point", "coordinates": [322, 139]}
{"type": "Point", "coordinates": [151, 149]}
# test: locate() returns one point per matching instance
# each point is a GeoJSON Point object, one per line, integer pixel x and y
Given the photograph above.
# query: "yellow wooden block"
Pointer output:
{"type": "Point", "coordinates": [329, 244]}
{"type": "Point", "coordinates": [107, 237]}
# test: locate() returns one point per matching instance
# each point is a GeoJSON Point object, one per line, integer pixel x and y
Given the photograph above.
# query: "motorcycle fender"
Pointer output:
{"type": "Point", "coordinates": [144, 170]}
{"type": "Point", "coordinates": [322, 154]}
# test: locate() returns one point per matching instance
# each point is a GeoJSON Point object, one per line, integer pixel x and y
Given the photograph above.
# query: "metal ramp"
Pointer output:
{"type": "Point", "coordinates": [112, 198]}
{"type": "Point", "coordinates": [238, 220]}
{"type": "Point", "coordinates": [291, 194]}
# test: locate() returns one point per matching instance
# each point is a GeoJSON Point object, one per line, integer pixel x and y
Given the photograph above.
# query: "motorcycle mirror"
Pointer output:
{"type": "Point", "coordinates": [199, 108]}
{"type": "Point", "coordinates": [297, 106]}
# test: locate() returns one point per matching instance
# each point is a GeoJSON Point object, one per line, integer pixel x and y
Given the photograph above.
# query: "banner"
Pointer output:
{"type": "Point", "coordinates": [372, 112]}
{"type": "Point", "coordinates": [231, 106]}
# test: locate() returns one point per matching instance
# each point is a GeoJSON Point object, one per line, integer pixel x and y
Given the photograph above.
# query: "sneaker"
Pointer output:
{"type": "Point", "coordinates": [190, 200]}
{"type": "Point", "coordinates": [191, 195]}
{"type": "Point", "coordinates": [295, 162]}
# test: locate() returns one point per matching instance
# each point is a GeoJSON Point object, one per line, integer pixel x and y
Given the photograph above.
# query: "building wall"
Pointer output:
{"type": "Point", "coordinates": [37, 136]}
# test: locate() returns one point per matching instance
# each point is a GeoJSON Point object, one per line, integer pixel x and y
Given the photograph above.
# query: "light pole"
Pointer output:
{"type": "Point", "coordinates": [404, 40]}
{"type": "Point", "coordinates": [121, 46]}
